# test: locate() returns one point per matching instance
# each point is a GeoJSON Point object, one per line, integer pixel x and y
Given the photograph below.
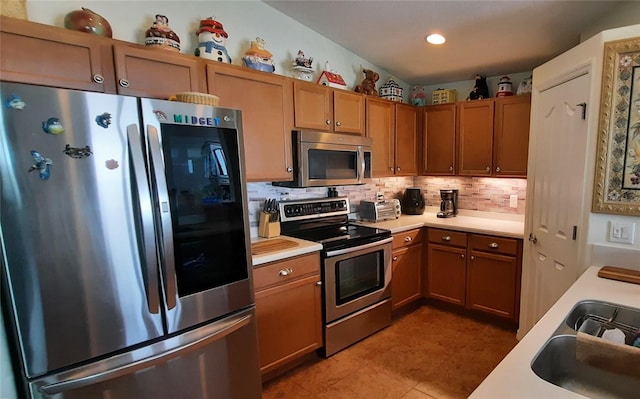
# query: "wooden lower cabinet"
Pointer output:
{"type": "Point", "coordinates": [406, 275]}
{"type": "Point", "coordinates": [478, 271]}
{"type": "Point", "coordinates": [288, 309]}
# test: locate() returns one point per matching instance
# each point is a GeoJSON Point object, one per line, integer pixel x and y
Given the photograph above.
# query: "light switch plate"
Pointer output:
{"type": "Point", "coordinates": [513, 201]}
{"type": "Point", "coordinates": [621, 232]}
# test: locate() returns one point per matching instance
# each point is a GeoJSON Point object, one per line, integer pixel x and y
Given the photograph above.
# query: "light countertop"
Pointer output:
{"type": "Point", "coordinates": [493, 223]}
{"type": "Point", "coordinates": [500, 224]}
{"type": "Point", "coordinates": [513, 377]}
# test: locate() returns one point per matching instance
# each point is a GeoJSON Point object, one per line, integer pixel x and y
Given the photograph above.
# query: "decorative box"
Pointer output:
{"type": "Point", "coordinates": [443, 96]}
{"type": "Point", "coordinates": [391, 91]}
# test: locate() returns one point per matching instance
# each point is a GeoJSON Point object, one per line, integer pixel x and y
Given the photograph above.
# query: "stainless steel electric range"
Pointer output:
{"type": "Point", "coordinates": [356, 268]}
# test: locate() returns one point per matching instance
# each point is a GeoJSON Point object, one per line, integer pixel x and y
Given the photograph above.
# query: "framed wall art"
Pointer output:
{"type": "Point", "coordinates": [617, 177]}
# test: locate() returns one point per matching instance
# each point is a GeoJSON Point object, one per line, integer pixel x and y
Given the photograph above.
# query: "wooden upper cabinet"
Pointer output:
{"type": "Point", "coordinates": [380, 123]}
{"type": "Point", "coordinates": [154, 73]}
{"type": "Point", "coordinates": [511, 136]}
{"type": "Point", "coordinates": [348, 112]}
{"type": "Point", "coordinates": [439, 138]}
{"type": "Point", "coordinates": [267, 107]}
{"type": "Point", "coordinates": [475, 137]}
{"type": "Point", "coordinates": [50, 56]}
{"type": "Point", "coordinates": [322, 108]}
{"type": "Point", "coordinates": [406, 140]}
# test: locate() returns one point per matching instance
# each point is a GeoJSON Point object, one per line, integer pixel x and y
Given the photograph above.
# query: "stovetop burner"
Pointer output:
{"type": "Point", "coordinates": [325, 221]}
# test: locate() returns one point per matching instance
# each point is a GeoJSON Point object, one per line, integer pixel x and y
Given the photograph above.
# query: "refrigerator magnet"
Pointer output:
{"type": "Point", "coordinates": [52, 126]}
{"type": "Point", "coordinates": [104, 120]}
{"type": "Point", "coordinates": [111, 164]}
{"type": "Point", "coordinates": [15, 102]}
{"type": "Point", "coordinates": [77, 152]}
{"type": "Point", "coordinates": [41, 164]}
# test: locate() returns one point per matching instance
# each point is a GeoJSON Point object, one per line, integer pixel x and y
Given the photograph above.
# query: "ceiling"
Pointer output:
{"type": "Point", "coordinates": [486, 37]}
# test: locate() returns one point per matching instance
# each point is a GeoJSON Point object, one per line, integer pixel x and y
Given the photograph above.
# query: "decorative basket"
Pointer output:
{"type": "Point", "coordinates": [196, 98]}
{"type": "Point", "coordinates": [443, 96]}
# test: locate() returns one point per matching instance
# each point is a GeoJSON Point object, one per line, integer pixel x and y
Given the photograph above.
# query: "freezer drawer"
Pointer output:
{"type": "Point", "coordinates": [218, 360]}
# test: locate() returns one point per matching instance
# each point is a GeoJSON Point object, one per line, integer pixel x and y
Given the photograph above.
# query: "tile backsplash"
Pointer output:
{"type": "Point", "coordinates": [475, 193]}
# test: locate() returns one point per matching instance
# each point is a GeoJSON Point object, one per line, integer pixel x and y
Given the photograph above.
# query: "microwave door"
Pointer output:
{"type": "Point", "coordinates": [329, 164]}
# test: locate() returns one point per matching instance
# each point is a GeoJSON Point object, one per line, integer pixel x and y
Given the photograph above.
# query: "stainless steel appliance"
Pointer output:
{"type": "Point", "coordinates": [379, 211]}
{"type": "Point", "coordinates": [448, 204]}
{"type": "Point", "coordinates": [356, 268]}
{"type": "Point", "coordinates": [329, 159]}
{"type": "Point", "coordinates": [413, 202]}
{"type": "Point", "coordinates": [124, 238]}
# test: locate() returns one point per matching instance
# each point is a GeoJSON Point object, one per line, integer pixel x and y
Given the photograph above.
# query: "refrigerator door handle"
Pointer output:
{"type": "Point", "coordinates": [146, 213]}
{"type": "Point", "coordinates": [169, 269]}
{"type": "Point", "coordinates": [219, 333]}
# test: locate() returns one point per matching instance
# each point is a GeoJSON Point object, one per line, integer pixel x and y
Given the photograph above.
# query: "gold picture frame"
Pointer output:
{"type": "Point", "coordinates": [617, 177]}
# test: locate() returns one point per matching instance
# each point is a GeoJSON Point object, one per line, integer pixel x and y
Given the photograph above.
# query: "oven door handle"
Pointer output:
{"type": "Point", "coordinates": [358, 248]}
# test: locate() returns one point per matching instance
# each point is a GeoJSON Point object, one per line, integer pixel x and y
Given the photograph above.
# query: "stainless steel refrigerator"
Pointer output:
{"type": "Point", "coordinates": [126, 270]}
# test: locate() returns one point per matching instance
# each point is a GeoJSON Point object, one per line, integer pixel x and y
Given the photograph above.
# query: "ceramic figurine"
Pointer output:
{"type": "Point", "coordinates": [525, 86]}
{"type": "Point", "coordinates": [418, 97]}
{"type": "Point", "coordinates": [88, 21]}
{"type": "Point", "coordinates": [504, 87]}
{"type": "Point", "coordinates": [212, 40]}
{"type": "Point", "coordinates": [391, 90]}
{"type": "Point", "coordinates": [330, 77]}
{"type": "Point", "coordinates": [368, 85]}
{"type": "Point", "coordinates": [257, 57]}
{"type": "Point", "coordinates": [161, 36]}
{"type": "Point", "coordinates": [480, 90]}
{"type": "Point", "coordinates": [302, 68]}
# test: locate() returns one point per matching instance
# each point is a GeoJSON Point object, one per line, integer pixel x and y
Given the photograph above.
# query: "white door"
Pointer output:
{"type": "Point", "coordinates": [555, 197]}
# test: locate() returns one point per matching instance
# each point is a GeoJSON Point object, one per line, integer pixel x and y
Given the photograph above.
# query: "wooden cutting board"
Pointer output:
{"type": "Point", "coordinates": [620, 274]}
{"type": "Point", "coordinates": [277, 244]}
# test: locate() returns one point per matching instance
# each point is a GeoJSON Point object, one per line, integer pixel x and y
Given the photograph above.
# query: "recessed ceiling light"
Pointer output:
{"type": "Point", "coordinates": [435, 38]}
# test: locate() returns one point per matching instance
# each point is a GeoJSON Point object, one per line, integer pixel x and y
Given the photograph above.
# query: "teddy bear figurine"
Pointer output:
{"type": "Point", "coordinates": [368, 85]}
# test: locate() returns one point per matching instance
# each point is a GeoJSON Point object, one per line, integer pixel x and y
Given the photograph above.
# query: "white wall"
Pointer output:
{"type": "Point", "coordinates": [243, 21]}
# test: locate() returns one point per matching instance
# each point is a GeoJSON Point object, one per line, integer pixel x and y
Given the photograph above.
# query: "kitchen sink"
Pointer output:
{"type": "Point", "coordinates": [557, 363]}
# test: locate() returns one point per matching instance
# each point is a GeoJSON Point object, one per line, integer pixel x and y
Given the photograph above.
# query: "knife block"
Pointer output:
{"type": "Point", "coordinates": [267, 229]}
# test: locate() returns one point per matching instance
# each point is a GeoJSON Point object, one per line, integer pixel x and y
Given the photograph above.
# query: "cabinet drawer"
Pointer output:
{"type": "Point", "coordinates": [286, 270]}
{"type": "Point", "coordinates": [448, 237]}
{"type": "Point", "coordinates": [494, 244]}
{"type": "Point", "coordinates": [407, 238]}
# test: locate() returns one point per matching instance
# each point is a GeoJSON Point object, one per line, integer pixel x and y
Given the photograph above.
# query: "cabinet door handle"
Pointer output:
{"type": "Point", "coordinates": [328, 121]}
{"type": "Point", "coordinates": [395, 258]}
{"type": "Point", "coordinates": [446, 238]}
{"type": "Point", "coordinates": [398, 169]}
{"type": "Point", "coordinates": [318, 283]}
{"type": "Point", "coordinates": [123, 83]}
{"type": "Point", "coordinates": [97, 78]}
{"type": "Point", "coordinates": [497, 169]}
{"type": "Point", "coordinates": [338, 124]}
{"type": "Point", "coordinates": [472, 257]}
{"type": "Point", "coordinates": [285, 272]}
{"type": "Point", "coordinates": [462, 256]}
{"type": "Point", "coordinates": [289, 169]}
{"type": "Point", "coordinates": [391, 168]}
{"type": "Point", "coordinates": [407, 239]}
{"type": "Point", "coordinates": [488, 169]}
{"type": "Point", "coordinates": [493, 245]}
{"type": "Point", "coordinates": [450, 168]}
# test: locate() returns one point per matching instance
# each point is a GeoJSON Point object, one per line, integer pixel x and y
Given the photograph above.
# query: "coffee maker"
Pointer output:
{"type": "Point", "coordinates": [448, 204]}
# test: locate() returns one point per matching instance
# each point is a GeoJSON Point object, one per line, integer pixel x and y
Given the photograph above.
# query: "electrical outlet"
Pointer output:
{"type": "Point", "coordinates": [513, 201]}
{"type": "Point", "coordinates": [621, 232]}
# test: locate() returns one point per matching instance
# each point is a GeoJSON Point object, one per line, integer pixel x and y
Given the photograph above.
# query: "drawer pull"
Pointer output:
{"type": "Point", "coordinates": [446, 238]}
{"type": "Point", "coordinates": [328, 121]}
{"type": "Point", "coordinates": [407, 239]}
{"type": "Point", "coordinates": [493, 245]}
{"type": "Point", "coordinates": [285, 272]}
{"type": "Point", "coordinates": [124, 83]}
{"type": "Point", "coordinates": [395, 258]}
{"type": "Point", "coordinates": [97, 78]}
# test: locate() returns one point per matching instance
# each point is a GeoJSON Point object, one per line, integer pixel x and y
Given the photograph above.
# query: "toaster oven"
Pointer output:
{"type": "Point", "coordinates": [377, 211]}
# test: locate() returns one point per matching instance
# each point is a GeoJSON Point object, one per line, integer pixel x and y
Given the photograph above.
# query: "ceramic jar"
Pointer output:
{"type": "Point", "coordinates": [212, 40]}
{"type": "Point", "coordinates": [161, 36]}
{"type": "Point", "coordinates": [257, 57]}
{"type": "Point", "coordinates": [302, 67]}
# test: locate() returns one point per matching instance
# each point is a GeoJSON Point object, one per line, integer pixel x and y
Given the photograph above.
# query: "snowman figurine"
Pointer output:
{"type": "Point", "coordinates": [212, 41]}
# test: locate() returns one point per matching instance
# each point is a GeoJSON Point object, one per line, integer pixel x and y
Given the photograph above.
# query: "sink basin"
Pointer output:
{"type": "Point", "coordinates": [557, 364]}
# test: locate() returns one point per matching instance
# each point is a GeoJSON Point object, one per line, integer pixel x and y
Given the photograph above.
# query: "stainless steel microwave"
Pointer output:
{"type": "Point", "coordinates": [329, 159]}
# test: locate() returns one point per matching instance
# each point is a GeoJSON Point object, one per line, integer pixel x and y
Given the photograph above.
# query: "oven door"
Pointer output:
{"type": "Point", "coordinates": [356, 277]}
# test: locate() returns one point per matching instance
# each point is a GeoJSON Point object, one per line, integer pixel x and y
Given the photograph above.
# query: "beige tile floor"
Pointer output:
{"type": "Point", "coordinates": [427, 354]}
